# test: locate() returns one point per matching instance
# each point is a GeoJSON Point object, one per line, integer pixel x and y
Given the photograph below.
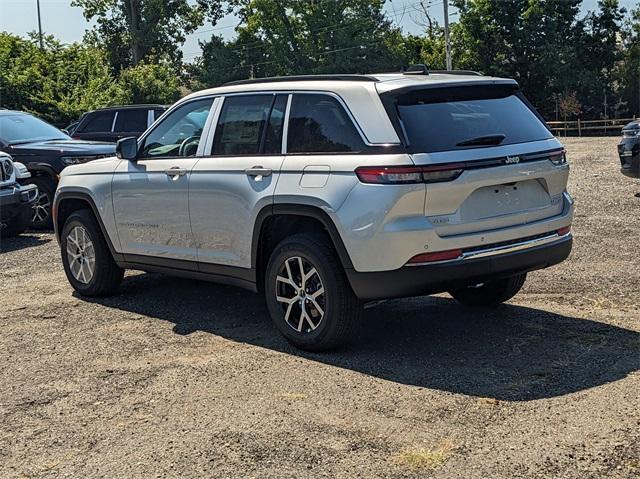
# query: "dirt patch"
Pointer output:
{"type": "Point", "coordinates": [176, 378]}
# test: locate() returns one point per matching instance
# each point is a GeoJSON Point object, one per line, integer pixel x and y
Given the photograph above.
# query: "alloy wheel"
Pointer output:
{"type": "Point", "coordinates": [81, 255]}
{"type": "Point", "coordinates": [300, 291]}
{"type": "Point", "coordinates": [41, 208]}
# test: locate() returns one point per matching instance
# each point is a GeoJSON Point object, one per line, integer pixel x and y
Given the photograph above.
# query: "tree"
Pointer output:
{"type": "Point", "coordinates": [283, 37]}
{"type": "Point", "coordinates": [544, 45]}
{"type": "Point", "coordinates": [61, 82]}
{"type": "Point", "coordinates": [629, 68]}
{"type": "Point", "coordinates": [133, 30]}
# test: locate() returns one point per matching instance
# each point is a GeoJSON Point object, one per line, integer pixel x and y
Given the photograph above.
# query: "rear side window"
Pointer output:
{"type": "Point", "coordinates": [431, 125]}
{"type": "Point", "coordinates": [98, 122]}
{"type": "Point", "coordinates": [241, 125]}
{"type": "Point", "coordinates": [319, 124]}
{"type": "Point", "coordinates": [131, 120]}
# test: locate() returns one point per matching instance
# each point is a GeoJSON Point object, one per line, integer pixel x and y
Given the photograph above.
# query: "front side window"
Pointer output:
{"type": "Point", "coordinates": [245, 125]}
{"type": "Point", "coordinates": [131, 120]}
{"type": "Point", "coordinates": [179, 133]}
{"type": "Point", "coordinates": [98, 122]}
{"type": "Point", "coordinates": [319, 124]}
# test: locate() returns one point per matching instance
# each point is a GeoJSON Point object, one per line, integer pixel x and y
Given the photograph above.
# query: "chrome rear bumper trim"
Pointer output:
{"type": "Point", "coordinates": [498, 250]}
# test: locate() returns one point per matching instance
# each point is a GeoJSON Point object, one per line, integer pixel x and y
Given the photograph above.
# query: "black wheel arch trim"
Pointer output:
{"type": "Point", "coordinates": [43, 168]}
{"type": "Point", "coordinates": [76, 195]}
{"type": "Point", "coordinates": [298, 210]}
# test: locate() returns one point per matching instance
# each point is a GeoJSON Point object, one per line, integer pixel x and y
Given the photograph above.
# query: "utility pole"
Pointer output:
{"type": "Point", "coordinates": [40, 26]}
{"type": "Point", "coordinates": [447, 46]}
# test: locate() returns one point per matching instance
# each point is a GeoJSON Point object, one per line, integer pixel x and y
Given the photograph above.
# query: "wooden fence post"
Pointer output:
{"type": "Point", "coordinates": [579, 129]}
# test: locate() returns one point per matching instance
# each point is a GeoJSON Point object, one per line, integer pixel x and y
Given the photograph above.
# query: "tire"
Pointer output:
{"type": "Point", "coordinates": [104, 278]}
{"type": "Point", "coordinates": [17, 225]}
{"type": "Point", "coordinates": [41, 218]}
{"type": "Point", "coordinates": [330, 315]}
{"type": "Point", "coordinates": [490, 294]}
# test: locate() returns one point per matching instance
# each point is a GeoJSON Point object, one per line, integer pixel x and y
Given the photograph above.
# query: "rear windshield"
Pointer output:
{"type": "Point", "coordinates": [433, 124]}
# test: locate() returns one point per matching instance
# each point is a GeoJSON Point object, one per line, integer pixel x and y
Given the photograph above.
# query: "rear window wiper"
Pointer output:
{"type": "Point", "coordinates": [483, 140]}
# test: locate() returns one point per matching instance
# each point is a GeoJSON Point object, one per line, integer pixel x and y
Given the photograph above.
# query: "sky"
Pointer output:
{"type": "Point", "coordinates": [66, 23]}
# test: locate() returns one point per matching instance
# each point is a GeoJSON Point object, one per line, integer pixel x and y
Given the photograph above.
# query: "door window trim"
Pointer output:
{"type": "Point", "coordinates": [113, 125]}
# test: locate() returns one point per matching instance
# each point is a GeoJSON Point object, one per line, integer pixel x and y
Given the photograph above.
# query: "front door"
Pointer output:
{"type": "Point", "coordinates": [151, 195]}
{"type": "Point", "coordinates": [236, 178]}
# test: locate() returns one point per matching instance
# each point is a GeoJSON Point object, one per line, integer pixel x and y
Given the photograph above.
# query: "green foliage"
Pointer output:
{"type": "Point", "coordinates": [134, 30]}
{"type": "Point", "coordinates": [150, 83]}
{"type": "Point", "coordinates": [566, 63]}
{"type": "Point", "coordinates": [629, 69]}
{"type": "Point", "coordinates": [62, 82]}
{"type": "Point", "coordinates": [286, 37]}
{"type": "Point", "coordinates": [544, 45]}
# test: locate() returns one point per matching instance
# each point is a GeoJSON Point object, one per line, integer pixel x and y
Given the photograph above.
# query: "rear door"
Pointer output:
{"type": "Point", "coordinates": [236, 178]}
{"type": "Point", "coordinates": [487, 158]}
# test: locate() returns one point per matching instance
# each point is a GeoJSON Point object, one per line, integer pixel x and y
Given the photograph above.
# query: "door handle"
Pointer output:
{"type": "Point", "coordinates": [175, 172]}
{"type": "Point", "coordinates": [258, 171]}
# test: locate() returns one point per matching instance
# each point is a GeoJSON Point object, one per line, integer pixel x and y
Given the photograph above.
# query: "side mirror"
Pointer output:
{"type": "Point", "coordinates": [127, 148]}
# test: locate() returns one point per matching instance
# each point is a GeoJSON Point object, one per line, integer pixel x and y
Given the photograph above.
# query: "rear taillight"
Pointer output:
{"type": "Point", "coordinates": [564, 231]}
{"type": "Point", "coordinates": [558, 158]}
{"type": "Point", "coordinates": [398, 175]}
{"type": "Point", "coordinates": [390, 175]}
{"type": "Point", "coordinates": [437, 256]}
{"type": "Point", "coordinates": [437, 173]}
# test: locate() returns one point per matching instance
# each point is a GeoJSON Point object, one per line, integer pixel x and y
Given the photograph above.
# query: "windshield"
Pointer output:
{"type": "Point", "coordinates": [432, 123]}
{"type": "Point", "coordinates": [21, 128]}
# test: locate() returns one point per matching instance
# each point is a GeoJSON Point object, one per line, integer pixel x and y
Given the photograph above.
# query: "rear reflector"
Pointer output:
{"type": "Point", "coordinates": [564, 231]}
{"type": "Point", "coordinates": [398, 175]}
{"type": "Point", "coordinates": [438, 256]}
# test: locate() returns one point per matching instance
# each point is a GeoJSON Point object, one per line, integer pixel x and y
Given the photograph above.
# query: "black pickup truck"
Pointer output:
{"type": "Point", "coordinates": [45, 151]}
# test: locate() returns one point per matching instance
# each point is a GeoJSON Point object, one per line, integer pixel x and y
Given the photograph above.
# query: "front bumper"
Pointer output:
{"type": "Point", "coordinates": [15, 200]}
{"type": "Point", "coordinates": [474, 268]}
{"type": "Point", "coordinates": [629, 152]}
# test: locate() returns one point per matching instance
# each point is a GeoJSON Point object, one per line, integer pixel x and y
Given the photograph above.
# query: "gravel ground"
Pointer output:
{"type": "Point", "coordinates": [176, 378]}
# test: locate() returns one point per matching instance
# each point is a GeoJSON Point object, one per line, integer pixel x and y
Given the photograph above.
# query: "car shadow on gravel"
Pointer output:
{"type": "Point", "coordinates": [22, 241]}
{"type": "Point", "coordinates": [512, 353]}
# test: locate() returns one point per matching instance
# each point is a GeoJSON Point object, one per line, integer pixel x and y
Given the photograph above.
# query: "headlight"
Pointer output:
{"type": "Point", "coordinates": [559, 158]}
{"type": "Point", "coordinates": [21, 171]}
{"type": "Point", "coordinates": [76, 160]}
{"type": "Point", "coordinates": [631, 133]}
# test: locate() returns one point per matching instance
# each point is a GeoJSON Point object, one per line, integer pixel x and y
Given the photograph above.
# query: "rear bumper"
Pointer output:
{"type": "Point", "coordinates": [447, 275]}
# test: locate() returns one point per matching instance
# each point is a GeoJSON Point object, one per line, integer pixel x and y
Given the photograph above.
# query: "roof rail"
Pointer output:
{"type": "Point", "coordinates": [303, 78]}
{"type": "Point", "coordinates": [458, 72]}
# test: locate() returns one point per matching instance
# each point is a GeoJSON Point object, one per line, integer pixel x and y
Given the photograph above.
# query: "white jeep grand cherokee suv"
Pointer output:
{"type": "Point", "coordinates": [325, 192]}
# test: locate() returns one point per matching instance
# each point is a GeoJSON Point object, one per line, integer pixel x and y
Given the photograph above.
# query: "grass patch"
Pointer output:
{"type": "Point", "coordinates": [424, 458]}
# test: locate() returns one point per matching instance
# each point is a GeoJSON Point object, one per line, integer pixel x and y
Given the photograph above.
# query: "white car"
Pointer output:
{"type": "Point", "coordinates": [324, 192]}
{"type": "Point", "coordinates": [16, 201]}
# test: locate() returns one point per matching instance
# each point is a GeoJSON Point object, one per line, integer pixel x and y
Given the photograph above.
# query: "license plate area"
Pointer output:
{"type": "Point", "coordinates": [504, 199]}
